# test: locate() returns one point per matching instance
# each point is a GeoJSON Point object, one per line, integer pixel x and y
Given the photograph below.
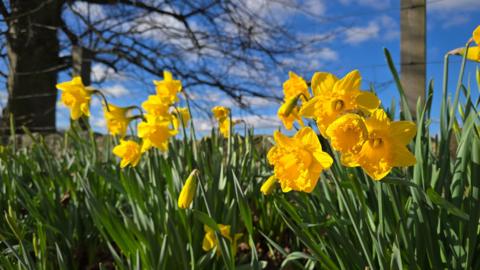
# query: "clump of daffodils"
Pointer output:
{"type": "Point", "coordinates": [345, 115]}
{"type": "Point", "coordinates": [160, 122]}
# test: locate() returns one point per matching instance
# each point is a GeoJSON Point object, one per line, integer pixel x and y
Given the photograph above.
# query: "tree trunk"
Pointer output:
{"type": "Point", "coordinates": [33, 54]}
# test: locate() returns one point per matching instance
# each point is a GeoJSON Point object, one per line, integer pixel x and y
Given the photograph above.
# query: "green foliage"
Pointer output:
{"type": "Point", "coordinates": [74, 208]}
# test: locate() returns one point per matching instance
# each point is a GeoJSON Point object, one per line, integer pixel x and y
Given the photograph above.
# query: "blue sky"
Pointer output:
{"type": "Point", "coordinates": [363, 28]}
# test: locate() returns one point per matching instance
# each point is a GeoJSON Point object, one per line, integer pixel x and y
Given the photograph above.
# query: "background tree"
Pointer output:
{"type": "Point", "coordinates": [230, 46]}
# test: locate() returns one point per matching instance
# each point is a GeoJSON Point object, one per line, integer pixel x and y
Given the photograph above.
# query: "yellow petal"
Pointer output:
{"type": "Point", "coordinates": [281, 140]}
{"type": "Point", "coordinates": [167, 76]}
{"type": "Point", "coordinates": [403, 158]}
{"type": "Point", "coordinates": [309, 138]}
{"type": "Point", "coordinates": [308, 108]}
{"type": "Point", "coordinates": [323, 82]}
{"type": "Point", "coordinates": [324, 159]}
{"type": "Point", "coordinates": [476, 35]}
{"type": "Point", "coordinates": [351, 81]}
{"type": "Point", "coordinates": [473, 53]}
{"type": "Point", "coordinates": [403, 131]}
{"type": "Point", "coordinates": [367, 100]}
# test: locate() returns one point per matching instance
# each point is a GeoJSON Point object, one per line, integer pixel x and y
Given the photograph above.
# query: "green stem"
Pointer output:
{"type": "Point", "coordinates": [354, 223]}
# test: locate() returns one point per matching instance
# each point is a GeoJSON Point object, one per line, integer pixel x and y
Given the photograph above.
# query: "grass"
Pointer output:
{"type": "Point", "coordinates": [74, 208]}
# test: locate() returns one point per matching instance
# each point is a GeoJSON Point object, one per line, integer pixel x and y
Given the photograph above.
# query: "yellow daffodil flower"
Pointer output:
{"type": "Point", "coordinates": [117, 120]}
{"type": "Point", "coordinates": [155, 105]}
{"type": "Point", "coordinates": [155, 132]}
{"type": "Point", "coordinates": [184, 114]}
{"type": "Point", "coordinates": [168, 88]}
{"type": "Point", "coordinates": [290, 118]}
{"type": "Point", "coordinates": [336, 97]}
{"type": "Point", "coordinates": [210, 240]}
{"type": "Point", "coordinates": [129, 152]}
{"type": "Point", "coordinates": [76, 97]}
{"type": "Point", "coordinates": [299, 160]}
{"type": "Point", "coordinates": [222, 114]}
{"type": "Point", "coordinates": [347, 135]}
{"type": "Point", "coordinates": [385, 146]}
{"type": "Point", "coordinates": [269, 185]}
{"type": "Point", "coordinates": [295, 86]}
{"type": "Point", "coordinates": [188, 191]}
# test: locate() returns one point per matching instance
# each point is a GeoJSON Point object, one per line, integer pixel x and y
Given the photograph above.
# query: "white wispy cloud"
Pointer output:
{"type": "Point", "coordinates": [116, 90]}
{"type": "Point", "coordinates": [375, 4]}
{"type": "Point", "coordinates": [449, 6]}
{"type": "Point", "coordinates": [383, 27]}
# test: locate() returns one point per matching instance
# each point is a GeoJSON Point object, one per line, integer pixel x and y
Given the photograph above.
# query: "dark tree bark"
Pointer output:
{"type": "Point", "coordinates": [33, 55]}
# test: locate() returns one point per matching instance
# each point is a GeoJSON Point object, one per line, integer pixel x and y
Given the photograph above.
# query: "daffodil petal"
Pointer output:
{"type": "Point", "coordinates": [403, 157]}
{"type": "Point", "coordinates": [350, 82]}
{"type": "Point", "coordinates": [367, 100]}
{"type": "Point", "coordinates": [403, 131]}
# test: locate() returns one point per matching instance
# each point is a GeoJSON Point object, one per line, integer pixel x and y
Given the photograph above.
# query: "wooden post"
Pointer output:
{"type": "Point", "coordinates": [413, 51]}
{"type": "Point", "coordinates": [82, 66]}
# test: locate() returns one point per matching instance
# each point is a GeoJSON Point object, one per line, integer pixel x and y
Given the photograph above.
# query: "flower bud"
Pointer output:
{"type": "Point", "coordinates": [188, 190]}
{"type": "Point", "coordinates": [269, 185]}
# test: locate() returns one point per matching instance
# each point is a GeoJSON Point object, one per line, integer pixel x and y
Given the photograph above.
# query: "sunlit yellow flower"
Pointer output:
{"type": "Point", "coordinates": [269, 185]}
{"type": "Point", "coordinates": [347, 135]}
{"type": "Point", "coordinates": [129, 152]}
{"type": "Point", "coordinates": [476, 35]}
{"type": "Point", "coordinates": [156, 106]}
{"type": "Point", "coordinates": [155, 132]}
{"type": "Point", "coordinates": [222, 114]}
{"type": "Point", "coordinates": [188, 190]}
{"type": "Point", "coordinates": [117, 120]}
{"type": "Point", "coordinates": [76, 97]}
{"type": "Point", "coordinates": [298, 161]}
{"type": "Point", "coordinates": [210, 240]}
{"type": "Point", "coordinates": [336, 97]}
{"type": "Point", "coordinates": [289, 119]}
{"type": "Point", "coordinates": [168, 88]}
{"type": "Point", "coordinates": [184, 114]}
{"type": "Point", "coordinates": [385, 146]}
{"type": "Point", "coordinates": [294, 86]}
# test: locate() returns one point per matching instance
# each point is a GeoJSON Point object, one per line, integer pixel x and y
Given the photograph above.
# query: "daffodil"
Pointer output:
{"type": "Point", "coordinates": [129, 152]}
{"type": "Point", "coordinates": [288, 118]}
{"type": "Point", "coordinates": [155, 132]}
{"type": "Point", "coordinates": [385, 146]}
{"type": "Point", "coordinates": [295, 86]}
{"type": "Point", "coordinates": [156, 106]}
{"type": "Point", "coordinates": [188, 191]}
{"type": "Point", "coordinates": [222, 114]}
{"type": "Point", "coordinates": [117, 119]}
{"type": "Point", "coordinates": [347, 135]}
{"type": "Point", "coordinates": [76, 97]}
{"type": "Point", "coordinates": [184, 114]}
{"type": "Point", "coordinates": [269, 185]}
{"type": "Point", "coordinates": [335, 97]}
{"type": "Point", "coordinates": [299, 160]}
{"type": "Point", "coordinates": [168, 88]}
{"type": "Point", "coordinates": [210, 240]}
